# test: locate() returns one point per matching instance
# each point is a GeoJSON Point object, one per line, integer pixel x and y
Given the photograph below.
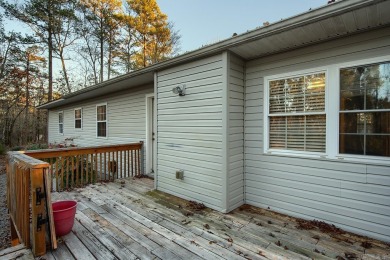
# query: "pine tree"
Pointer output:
{"type": "Point", "coordinates": [44, 17]}
{"type": "Point", "coordinates": [152, 32]}
{"type": "Point", "coordinates": [102, 22]}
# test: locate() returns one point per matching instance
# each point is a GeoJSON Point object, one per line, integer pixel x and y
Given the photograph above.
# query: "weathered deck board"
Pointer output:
{"type": "Point", "coordinates": [119, 221]}
{"type": "Point", "coordinates": [16, 252]}
{"type": "Point", "coordinates": [149, 221]}
{"type": "Point", "coordinates": [62, 252]}
{"type": "Point", "coordinates": [114, 246]}
{"type": "Point", "coordinates": [77, 247]}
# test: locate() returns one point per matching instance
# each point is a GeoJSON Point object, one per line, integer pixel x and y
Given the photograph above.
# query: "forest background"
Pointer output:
{"type": "Point", "coordinates": [69, 45]}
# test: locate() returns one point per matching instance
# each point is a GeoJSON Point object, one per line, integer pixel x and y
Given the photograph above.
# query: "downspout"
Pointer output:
{"type": "Point", "coordinates": [244, 124]}
{"type": "Point", "coordinates": [225, 133]}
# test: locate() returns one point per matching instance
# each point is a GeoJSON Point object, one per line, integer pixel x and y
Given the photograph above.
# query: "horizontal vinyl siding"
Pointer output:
{"type": "Point", "coordinates": [125, 119]}
{"type": "Point", "coordinates": [235, 133]}
{"type": "Point", "coordinates": [354, 196]}
{"type": "Point", "coordinates": [189, 131]}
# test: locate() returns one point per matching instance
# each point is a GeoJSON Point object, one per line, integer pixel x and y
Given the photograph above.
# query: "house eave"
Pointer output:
{"type": "Point", "coordinates": [249, 45]}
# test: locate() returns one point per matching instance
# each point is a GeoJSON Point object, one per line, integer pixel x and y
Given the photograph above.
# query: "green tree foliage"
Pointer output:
{"type": "Point", "coordinates": [65, 36]}
{"type": "Point", "coordinates": [45, 18]}
{"type": "Point", "coordinates": [71, 44]}
{"type": "Point", "coordinates": [153, 33]}
{"type": "Point", "coordinates": [21, 88]}
{"type": "Point", "coordinates": [100, 29]}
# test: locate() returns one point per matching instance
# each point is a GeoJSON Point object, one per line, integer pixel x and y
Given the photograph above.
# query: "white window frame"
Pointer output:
{"type": "Point", "coordinates": [267, 80]}
{"type": "Point", "coordinates": [96, 124]}
{"type": "Point", "coordinates": [63, 119]}
{"type": "Point", "coordinates": [356, 157]}
{"type": "Point", "coordinates": [81, 118]}
{"type": "Point", "coordinates": [332, 111]}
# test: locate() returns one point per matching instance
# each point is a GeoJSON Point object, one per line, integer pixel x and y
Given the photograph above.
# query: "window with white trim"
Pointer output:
{"type": "Point", "coordinates": [101, 120]}
{"type": "Point", "coordinates": [61, 122]}
{"type": "Point", "coordinates": [296, 113]}
{"type": "Point", "coordinates": [339, 111]}
{"type": "Point", "coordinates": [78, 117]}
{"type": "Point", "coordinates": [364, 120]}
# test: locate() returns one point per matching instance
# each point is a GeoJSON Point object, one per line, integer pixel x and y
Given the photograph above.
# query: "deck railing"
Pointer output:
{"type": "Point", "coordinates": [32, 175]}
{"type": "Point", "coordinates": [26, 200]}
{"type": "Point", "coordinates": [77, 167]}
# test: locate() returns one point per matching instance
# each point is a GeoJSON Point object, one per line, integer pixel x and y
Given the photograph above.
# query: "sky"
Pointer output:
{"type": "Point", "coordinates": [202, 22]}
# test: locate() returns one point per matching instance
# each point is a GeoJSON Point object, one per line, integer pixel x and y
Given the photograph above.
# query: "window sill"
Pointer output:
{"type": "Point", "coordinates": [296, 154]}
{"type": "Point", "coordinates": [368, 160]}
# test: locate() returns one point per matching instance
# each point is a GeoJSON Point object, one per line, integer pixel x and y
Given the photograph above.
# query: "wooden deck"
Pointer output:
{"type": "Point", "coordinates": [16, 252]}
{"type": "Point", "coordinates": [126, 220]}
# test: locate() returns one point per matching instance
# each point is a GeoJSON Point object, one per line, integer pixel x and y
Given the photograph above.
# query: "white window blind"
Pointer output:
{"type": "Point", "coordinates": [297, 119]}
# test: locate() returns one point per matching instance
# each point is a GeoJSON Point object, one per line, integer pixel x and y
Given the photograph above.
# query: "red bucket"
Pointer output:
{"type": "Point", "coordinates": [64, 212]}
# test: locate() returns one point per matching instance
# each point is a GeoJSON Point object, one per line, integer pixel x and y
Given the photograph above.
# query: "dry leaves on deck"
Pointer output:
{"type": "Point", "coordinates": [196, 205]}
{"type": "Point", "coordinates": [321, 225]}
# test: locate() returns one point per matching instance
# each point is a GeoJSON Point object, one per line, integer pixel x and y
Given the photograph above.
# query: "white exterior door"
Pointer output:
{"type": "Point", "coordinates": [150, 135]}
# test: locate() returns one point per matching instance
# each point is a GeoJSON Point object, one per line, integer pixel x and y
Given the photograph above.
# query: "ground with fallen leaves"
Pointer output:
{"type": "Point", "coordinates": [4, 222]}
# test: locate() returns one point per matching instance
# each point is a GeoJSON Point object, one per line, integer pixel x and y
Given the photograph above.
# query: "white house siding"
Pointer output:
{"type": "Point", "coordinates": [125, 119]}
{"type": "Point", "coordinates": [189, 131]}
{"type": "Point", "coordinates": [355, 196]}
{"type": "Point", "coordinates": [235, 149]}
{"type": "Point", "coordinates": [126, 113]}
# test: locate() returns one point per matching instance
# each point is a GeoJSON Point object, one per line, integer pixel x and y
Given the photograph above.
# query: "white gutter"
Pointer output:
{"type": "Point", "coordinates": [51, 103]}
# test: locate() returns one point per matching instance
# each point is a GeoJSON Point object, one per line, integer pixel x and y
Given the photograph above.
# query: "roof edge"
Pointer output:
{"type": "Point", "coordinates": [308, 17]}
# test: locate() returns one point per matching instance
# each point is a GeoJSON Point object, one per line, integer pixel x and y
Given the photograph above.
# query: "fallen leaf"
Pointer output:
{"type": "Point", "coordinates": [366, 244]}
{"type": "Point", "coordinates": [350, 255]}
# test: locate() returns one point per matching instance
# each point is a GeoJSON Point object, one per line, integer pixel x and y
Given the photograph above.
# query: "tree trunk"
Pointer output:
{"type": "Point", "coordinates": [10, 129]}
{"type": "Point", "coordinates": [109, 56]}
{"type": "Point", "coordinates": [25, 135]}
{"type": "Point", "coordinates": [144, 51]}
{"type": "Point", "coordinates": [101, 50]}
{"type": "Point", "coordinates": [64, 71]}
{"type": "Point", "coordinates": [50, 47]}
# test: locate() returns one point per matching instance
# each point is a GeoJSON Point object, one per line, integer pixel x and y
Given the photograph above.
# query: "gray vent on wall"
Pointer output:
{"type": "Point", "coordinates": [180, 174]}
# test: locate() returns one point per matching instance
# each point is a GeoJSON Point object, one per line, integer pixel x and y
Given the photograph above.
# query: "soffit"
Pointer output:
{"type": "Point", "coordinates": [317, 29]}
